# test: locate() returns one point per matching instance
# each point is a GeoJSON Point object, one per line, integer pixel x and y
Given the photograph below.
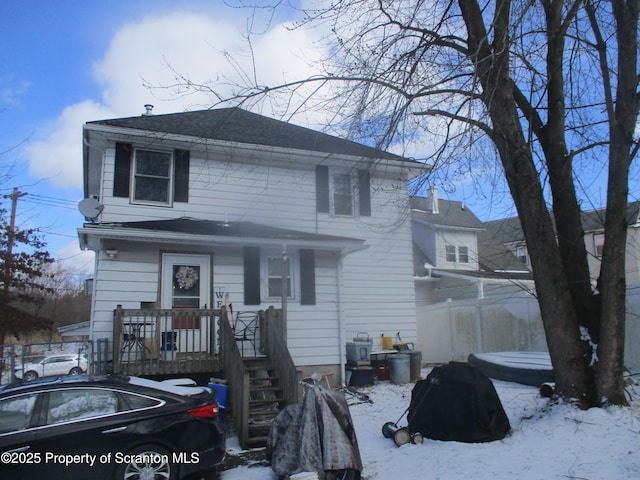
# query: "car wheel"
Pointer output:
{"type": "Point", "coordinates": [147, 462]}
{"type": "Point", "coordinates": [75, 371]}
{"type": "Point", "coordinates": [30, 375]}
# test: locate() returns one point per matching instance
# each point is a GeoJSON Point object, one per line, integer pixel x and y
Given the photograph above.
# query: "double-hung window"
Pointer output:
{"type": "Point", "coordinates": [342, 192]}
{"type": "Point", "coordinates": [152, 176]}
{"type": "Point", "coordinates": [155, 177]}
{"type": "Point", "coordinates": [450, 251]}
{"type": "Point", "coordinates": [274, 275]}
{"type": "Point", "coordinates": [263, 275]}
{"type": "Point", "coordinates": [458, 254]}
{"type": "Point", "coordinates": [598, 244]}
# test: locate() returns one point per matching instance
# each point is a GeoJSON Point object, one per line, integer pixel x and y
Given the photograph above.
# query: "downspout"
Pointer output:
{"type": "Point", "coordinates": [341, 337]}
{"type": "Point", "coordinates": [285, 291]}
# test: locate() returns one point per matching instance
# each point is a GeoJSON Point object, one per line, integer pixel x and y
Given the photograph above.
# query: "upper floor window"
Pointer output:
{"type": "Point", "coordinates": [598, 244]}
{"type": "Point", "coordinates": [522, 254]}
{"type": "Point", "coordinates": [450, 250]}
{"type": "Point", "coordinates": [457, 254]}
{"type": "Point", "coordinates": [152, 176]}
{"type": "Point", "coordinates": [342, 192]}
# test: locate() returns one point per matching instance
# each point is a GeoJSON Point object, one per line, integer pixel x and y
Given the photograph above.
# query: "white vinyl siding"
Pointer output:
{"type": "Point", "coordinates": [358, 289]}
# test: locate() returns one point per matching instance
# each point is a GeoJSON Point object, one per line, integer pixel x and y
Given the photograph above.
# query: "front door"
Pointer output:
{"type": "Point", "coordinates": [186, 285]}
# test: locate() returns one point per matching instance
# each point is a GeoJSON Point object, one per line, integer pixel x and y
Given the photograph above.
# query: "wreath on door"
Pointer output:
{"type": "Point", "coordinates": [186, 277]}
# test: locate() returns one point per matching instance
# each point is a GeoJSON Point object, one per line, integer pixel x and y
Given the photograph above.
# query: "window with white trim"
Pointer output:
{"type": "Point", "coordinates": [273, 273]}
{"type": "Point", "coordinates": [451, 253]}
{"type": "Point", "coordinates": [457, 254]}
{"type": "Point", "coordinates": [522, 254]}
{"type": "Point", "coordinates": [342, 194]}
{"type": "Point", "coordinates": [152, 176]}
{"type": "Point", "coordinates": [463, 254]}
{"type": "Point", "coordinates": [598, 244]}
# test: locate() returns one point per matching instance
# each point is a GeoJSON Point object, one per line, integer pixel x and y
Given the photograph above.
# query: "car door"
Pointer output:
{"type": "Point", "coordinates": [57, 365]}
{"type": "Point", "coordinates": [90, 425]}
{"type": "Point", "coordinates": [18, 413]}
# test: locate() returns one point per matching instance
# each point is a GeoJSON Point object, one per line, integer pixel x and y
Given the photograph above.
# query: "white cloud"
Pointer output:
{"type": "Point", "coordinates": [57, 156]}
{"type": "Point", "coordinates": [154, 52]}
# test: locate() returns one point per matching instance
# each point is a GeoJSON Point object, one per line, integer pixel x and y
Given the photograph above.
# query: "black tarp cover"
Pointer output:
{"type": "Point", "coordinates": [316, 435]}
{"type": "Point", "coordinates": [457, 402]}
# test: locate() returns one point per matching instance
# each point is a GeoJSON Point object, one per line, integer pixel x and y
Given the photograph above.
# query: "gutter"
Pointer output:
{"type": "Point", "coordinates": [157, 236]}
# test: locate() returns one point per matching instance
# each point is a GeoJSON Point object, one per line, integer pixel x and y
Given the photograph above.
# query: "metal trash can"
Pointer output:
{"type": "Point", "coordinates": [399, 372]}
{"type": "Point", "coordinates": [415, 363]}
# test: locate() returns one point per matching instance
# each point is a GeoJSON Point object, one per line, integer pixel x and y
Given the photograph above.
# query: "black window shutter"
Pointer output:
{"type": "Point", "coordinates": [322, 189]}
{"type": "Point", "coordinates": [364, 193]}
{"type": "Point", "coordinates": [181, 183]}
{"type": "Point", "coordinates": [122, 170]}
{"type": "Point", "coordinates": [251, 276]}
{"type": "Point", "coordinates": [307, 277]}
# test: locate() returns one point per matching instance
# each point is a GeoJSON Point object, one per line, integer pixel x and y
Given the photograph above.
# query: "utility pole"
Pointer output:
{"type": "Point", "coordinates": [12, 221]}
{"type": "Point", "coordinates": [8, 264]}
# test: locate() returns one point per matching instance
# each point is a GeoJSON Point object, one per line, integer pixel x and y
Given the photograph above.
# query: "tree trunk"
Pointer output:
{"type": "Point", "coordinates": [609, 378]}
{"type": "Point", "coordinates": [556, 306]}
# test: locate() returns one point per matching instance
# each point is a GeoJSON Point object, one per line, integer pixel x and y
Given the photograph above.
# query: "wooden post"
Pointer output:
{"type": "Point", "coordinates": [117, 339]}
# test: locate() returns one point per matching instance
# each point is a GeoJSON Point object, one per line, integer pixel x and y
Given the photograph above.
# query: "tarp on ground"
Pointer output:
{"type": "Point", "coordinates": [457, 402]}
{"type": "Point", "coordinates": [316, 435]}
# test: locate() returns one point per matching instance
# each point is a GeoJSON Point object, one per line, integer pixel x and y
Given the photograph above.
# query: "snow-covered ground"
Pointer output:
{"type": "Point", "coordinates": [558, 442]}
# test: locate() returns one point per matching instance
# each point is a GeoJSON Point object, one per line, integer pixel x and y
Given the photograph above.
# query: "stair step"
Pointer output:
{"type": "Point", "coordinates": [257, 403]}
{"type": "Point", "coordinates": [259, 430]}
{"type": "Point", "coordinates": [265, 379]}
{"type": "Point", "coordinates": [266, 388]}
{"type": "Point", "coordinates": [255, 442]}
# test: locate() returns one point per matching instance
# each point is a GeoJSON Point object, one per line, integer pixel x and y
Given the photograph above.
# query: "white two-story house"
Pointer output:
{"type": "Point", "coordinates": [456, 257]}
{"type": "Point", "coordinates": [202, 209]}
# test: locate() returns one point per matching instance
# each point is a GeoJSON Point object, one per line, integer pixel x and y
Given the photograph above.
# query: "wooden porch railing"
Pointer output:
{"type": "Point", "coordinates": [237, 378]}
{"type": "Point", "coordinates": [160, 341]}
{"type": "Point", "coordinates": [152, 342]}
{"type": "Point", "coordinates": [273, 344]}
{"type": "Point", "coordinates": [274, 348]}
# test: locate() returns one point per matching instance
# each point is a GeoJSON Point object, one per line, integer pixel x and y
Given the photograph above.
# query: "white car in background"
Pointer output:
{"type": "Point", "coordinates": [49, 365]}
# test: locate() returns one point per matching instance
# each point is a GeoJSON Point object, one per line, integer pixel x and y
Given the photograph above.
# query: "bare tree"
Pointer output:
{"type": "Point", "coordinates": [24, 261]}
{"type": "Point", "coordinates": [553, 85]}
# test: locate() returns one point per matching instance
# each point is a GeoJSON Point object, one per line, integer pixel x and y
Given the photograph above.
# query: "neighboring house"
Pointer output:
{"type": "Point", "coordinates": [472, 294]}
{"type": "Point", "coordinates": [187, 210]}
{"type": "Point", "coordinates": [455, 257]}
{"type": "Point", "coordinates": [75, 331]}
{"type": "Point", "coordinates": [510, 234]}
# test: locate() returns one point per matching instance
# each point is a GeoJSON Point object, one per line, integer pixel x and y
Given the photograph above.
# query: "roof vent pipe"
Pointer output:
{"type": "Point", "coordinates": [149, 109]}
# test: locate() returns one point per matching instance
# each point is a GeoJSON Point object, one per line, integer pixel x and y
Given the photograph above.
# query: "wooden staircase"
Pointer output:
{"type": "Point", "coordinates": [261, 386]}
{"type": "Point", "coordinates": [266, 399]}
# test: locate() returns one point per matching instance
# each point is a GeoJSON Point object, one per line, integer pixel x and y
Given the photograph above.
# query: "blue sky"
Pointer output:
{"type": "Point", "coordinates": [68, 62]}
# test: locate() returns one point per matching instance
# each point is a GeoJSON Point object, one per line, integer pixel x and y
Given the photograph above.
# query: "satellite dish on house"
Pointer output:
{"type": "Point", "coordinates": [90, 208]}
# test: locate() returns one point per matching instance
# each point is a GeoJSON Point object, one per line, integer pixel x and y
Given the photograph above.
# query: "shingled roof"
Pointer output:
{"type": "Point", "coordinates": [450, 213]}
{"type": "Point", "coordinates": [240, 126]}
{"type": "Point", "coordinates": [508, 230]}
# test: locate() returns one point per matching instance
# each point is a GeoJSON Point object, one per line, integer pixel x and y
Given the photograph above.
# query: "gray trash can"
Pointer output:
{"type": "Point", "coordinates": [399, 372]}
{"type": "Point", "coordinates": [415, 364]}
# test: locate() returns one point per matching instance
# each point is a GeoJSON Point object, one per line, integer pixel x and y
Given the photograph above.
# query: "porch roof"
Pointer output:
{"type": "Point", "coordinates": [187, 230]}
